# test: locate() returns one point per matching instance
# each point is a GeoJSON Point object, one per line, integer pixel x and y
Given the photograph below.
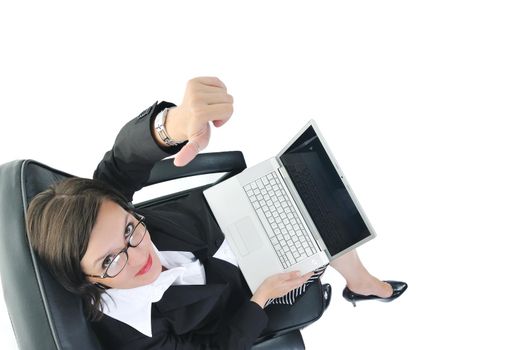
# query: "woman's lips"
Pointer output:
{"type": "Point", "coordinates": [146, 267]}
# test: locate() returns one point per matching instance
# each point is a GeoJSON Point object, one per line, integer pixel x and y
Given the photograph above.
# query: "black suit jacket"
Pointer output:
{"type": "Point", "coordinates": [218, 315]}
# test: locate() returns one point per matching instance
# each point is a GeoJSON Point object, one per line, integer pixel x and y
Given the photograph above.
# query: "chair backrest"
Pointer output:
{"type": "Point", "coordinates": [46, 316]}
{"type": "Point", "coordinates": [41, 311]}
{"type": "Point", "coordinates": [43, 314]}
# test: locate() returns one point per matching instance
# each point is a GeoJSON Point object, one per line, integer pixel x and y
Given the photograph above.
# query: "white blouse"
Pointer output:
{"type": "Point", "coordinates": [133, 306]}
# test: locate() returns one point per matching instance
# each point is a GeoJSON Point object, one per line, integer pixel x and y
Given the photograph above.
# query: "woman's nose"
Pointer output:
{"type": "Point", "coordinates": [136, 256]}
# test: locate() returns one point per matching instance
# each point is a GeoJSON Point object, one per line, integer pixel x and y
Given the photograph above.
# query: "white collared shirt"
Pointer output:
{"type": "Point", "coordinates": [133, 306]}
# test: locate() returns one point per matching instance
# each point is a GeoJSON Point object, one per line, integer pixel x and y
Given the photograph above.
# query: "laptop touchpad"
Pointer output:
{"type": "Point", "coordinates": [243, 233]}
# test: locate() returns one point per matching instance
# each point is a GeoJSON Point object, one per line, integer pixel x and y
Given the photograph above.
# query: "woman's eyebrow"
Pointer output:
{"type": "Point", "coordinates": [108, 253]}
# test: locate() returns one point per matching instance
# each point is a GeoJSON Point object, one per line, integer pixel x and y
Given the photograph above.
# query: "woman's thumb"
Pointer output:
{"type": "Point", "coordinates": [187, 153]}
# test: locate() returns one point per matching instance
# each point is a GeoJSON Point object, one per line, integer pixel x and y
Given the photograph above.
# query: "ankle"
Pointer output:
{"type": "Point", "coordinates": [373, 287]}
{"type": "Point", "coordinates": [360, 288]}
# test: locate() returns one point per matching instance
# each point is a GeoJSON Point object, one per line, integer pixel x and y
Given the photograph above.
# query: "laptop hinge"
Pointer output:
{"type": "Point", "coordinates": [284, 174]}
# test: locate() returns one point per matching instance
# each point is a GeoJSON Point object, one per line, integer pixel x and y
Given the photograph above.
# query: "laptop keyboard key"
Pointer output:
{"type": "Point", "coordinates": [286, 232]}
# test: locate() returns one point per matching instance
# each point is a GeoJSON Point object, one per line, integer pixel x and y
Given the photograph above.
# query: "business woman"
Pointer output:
{"type": "Point", "coordinates": [164, 278]}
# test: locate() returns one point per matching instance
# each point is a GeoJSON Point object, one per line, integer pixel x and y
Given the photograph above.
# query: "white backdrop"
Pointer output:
{"type": "Point", "coordinates": [423, 104]}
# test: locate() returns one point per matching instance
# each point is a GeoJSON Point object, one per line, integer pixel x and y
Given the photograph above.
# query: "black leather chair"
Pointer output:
{"type": "Point", "coordinates": [46, 316]}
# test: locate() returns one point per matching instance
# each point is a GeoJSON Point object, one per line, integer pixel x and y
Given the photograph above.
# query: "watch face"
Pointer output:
{"type": "Point", "coordinates": [159, 121]}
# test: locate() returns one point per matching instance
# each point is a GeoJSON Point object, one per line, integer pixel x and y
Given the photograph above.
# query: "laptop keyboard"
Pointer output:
{"type": "Point", "coordinates": [287, 235]}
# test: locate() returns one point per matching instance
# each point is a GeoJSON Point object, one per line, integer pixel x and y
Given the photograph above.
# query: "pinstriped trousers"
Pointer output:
{"type": "Point", "coordinates": [290, 298]}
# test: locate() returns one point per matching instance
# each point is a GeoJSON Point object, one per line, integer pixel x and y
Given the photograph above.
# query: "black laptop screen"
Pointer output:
{"type": "Point", "coordinates": [323, 193]}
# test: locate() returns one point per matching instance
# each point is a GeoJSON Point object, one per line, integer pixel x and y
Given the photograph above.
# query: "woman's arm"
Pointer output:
{"type": "Point", "coordinates": [240, 332]}
{"type": "Point", "coordinates": [137, 147]}
{"type": "Point", "coordinates": [126, 167]}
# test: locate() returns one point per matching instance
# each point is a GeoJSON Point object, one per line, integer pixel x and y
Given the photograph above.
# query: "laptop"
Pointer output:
{"type": "Point", "coordinates": [295, 211]}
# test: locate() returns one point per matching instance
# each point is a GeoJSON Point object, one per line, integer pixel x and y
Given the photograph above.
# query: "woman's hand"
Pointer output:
{"type": "Point", "coordinates": [278, 285]}
{"type": "Point", "coordinates": [206, 100]}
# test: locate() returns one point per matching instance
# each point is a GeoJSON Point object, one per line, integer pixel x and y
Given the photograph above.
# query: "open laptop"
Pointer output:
{"type": "Point", "coordinates": [291, 212]}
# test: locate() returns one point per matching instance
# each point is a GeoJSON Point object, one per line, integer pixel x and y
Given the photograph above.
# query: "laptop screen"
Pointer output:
{"type": "Point", "coordinates": [323, 193]}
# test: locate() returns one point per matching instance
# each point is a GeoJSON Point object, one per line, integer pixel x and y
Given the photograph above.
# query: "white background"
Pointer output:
{"type": "Point", "coordinates": [423, 104]}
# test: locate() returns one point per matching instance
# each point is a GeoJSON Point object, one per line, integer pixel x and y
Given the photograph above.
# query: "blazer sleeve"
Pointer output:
{"type": "Point", "coordinates": [239, 333]}
{"type": "Point", "coordinates": [126, 167]}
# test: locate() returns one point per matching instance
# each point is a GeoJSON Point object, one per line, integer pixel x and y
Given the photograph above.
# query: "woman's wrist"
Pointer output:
{"type": "Point", "coordinates": [169, 128]}
{"type": "Point", "coordinates": [174, 125]}
{"type": "Point", "coordinates": [259, 299]}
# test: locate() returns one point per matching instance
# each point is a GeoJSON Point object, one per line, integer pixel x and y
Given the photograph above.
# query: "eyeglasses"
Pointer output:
{"type": "Point", "coordinates": [117, 263]}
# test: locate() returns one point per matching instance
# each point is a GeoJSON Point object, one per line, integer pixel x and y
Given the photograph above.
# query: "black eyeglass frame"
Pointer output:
{"type": "Point", "coordinates": [141, 219]}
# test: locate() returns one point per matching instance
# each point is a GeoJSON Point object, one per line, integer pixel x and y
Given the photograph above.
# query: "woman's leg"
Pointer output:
{"type": "Point", "coordinates": [358, 279]}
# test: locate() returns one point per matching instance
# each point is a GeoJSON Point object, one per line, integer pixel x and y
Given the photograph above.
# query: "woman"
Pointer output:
{"type": "Point", "coordinates": [164, 278]}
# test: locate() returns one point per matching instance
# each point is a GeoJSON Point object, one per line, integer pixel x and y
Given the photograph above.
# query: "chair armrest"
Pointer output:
{"type": "Point", "coordinates": [306, 310]}
{"type": "Point", "coordinates": [289, 341]}
{"type": "Point", "coordinates": [231, 162]}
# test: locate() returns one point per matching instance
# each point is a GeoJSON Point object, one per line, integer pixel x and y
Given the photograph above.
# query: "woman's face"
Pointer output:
{"type": "Point", "coordinates": [108, 238]}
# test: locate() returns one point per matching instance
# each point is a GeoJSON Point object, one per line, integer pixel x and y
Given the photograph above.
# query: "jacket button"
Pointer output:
{"type": "Point", "coordinates": [144, 113]}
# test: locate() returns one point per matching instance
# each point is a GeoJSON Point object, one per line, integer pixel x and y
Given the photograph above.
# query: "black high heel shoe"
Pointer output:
{"type": "Point", "coordinates": [398, 290]}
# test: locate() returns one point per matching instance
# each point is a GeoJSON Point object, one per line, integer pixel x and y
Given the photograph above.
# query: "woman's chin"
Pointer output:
{"type": "Point", "coordinates": [154, 272]}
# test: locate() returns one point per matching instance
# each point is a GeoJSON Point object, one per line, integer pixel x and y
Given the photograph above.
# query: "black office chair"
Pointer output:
{"type": "Point", "coordinates": [45, 316]}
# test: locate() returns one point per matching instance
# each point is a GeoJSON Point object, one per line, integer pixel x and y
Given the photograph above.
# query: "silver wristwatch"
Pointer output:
{"type": "Point", "coordinates": [159, 125]}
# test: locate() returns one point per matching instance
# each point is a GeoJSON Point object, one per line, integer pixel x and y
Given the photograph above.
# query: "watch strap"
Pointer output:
{"type": "Point", "coordinates": [159, 126]}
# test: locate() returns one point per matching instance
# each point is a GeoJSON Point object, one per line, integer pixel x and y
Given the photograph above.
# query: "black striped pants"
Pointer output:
{"type": "Point", "coordinates": [291, 297]}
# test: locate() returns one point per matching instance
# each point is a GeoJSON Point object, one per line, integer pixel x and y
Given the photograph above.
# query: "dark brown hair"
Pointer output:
{"type": "Point", "coordinates": [60, 221]}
